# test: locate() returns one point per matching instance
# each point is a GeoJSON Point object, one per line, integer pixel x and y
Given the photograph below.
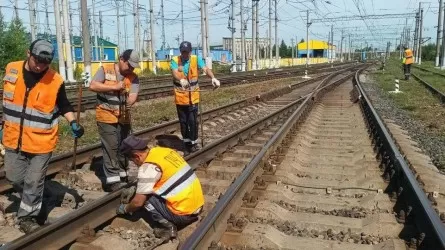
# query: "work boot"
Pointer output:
{"type": "Point", "coordinates": [28, 224]}
{"type": "Point", "coordinates": [115, 186]}
{"type": "Point", "coordinates": [194, 148]}
{"type": "Point", "coordinates": [166, 232]}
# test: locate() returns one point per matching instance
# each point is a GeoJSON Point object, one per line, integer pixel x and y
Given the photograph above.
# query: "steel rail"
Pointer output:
{"type": "Point", "coordinates": [411, 198]}
{"type": "Point", "coordinates": [437, 93]}
{"type": "Point", "coordinates": [213, 225]}
{"type": "Point", "coordinates": [69, 227]}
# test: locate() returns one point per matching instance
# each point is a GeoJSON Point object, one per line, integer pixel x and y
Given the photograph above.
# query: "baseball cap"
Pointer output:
{"type": "Point", "coordinates": [42, 50]}
{"type": "Point", "coordinates": [132, 56]}
{"type": "Point", "coordinates": [132, 143]}
{"type": "Point", "coordinates": [185, 46]}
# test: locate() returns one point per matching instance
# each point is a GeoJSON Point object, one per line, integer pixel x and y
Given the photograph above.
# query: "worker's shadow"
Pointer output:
{"type": "Point", "coordinates": [54, 195]}
{"type": "Point", "coordinates": [170, 141]}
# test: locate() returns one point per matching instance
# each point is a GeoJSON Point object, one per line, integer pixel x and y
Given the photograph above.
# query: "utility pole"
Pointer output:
{"type": "Point", "coordinates": [182, 20]}
{"type": "Point", "coordinates": [257, 35]}
{"type": "Point", "coordinates": [62, 70]}
{"type": "Point", "coordinates": [163, 25]}
{"type": "Point", "coordinates": [254, 2]}
{"type": "Point", "coordinates": [349, 48]}
{"type": "Point", "coordinates": [47, 28]}
{"type": "Point", "coordinates": [125, 25]}
{"type": "Point", "coordinates": [243, 42]}
{"type": "Point", "coordinates": [277, 51]}
{"type": "Point", "coordinates": [118, 27]}
{"type": "Point", "coordinates": [401, 46]}
{"type": "Point", "coordinates": [292, 42]}
{"type": "Point", "coordinates": [420, 34]}
{"type": "Point", "coordinates": [86, 38]}
{"type": "Point", "coordinates": [203, 31]}
{"type": "Point", "coordinates": [16, 9]}
{"type": "Point", "coordinates": [439, 33]}
{"type": "Point", "coordinates": [341, 47]}
{"type": "Point", "coordinates": [32, 18]}
{"type": "Point", "coordinates": [307, 38]}
{"type": "Point", "coordinates": [232, 28]}
{"type": "Point", "coordinates": [332, 43]}
{"type": "Point", "coordinates": [73, 54]}
{"type": "Point", "coordinates": [152, 26]}
{"type": "Point", "coordinates": [270, 34]}
{"type": "Point", "coordinates": [101, 34]}
{"type": "Point", "coordinates": [98, 56]}
{"type": "Point", "coordinates": [136, 25]}
{"type": "Point", "coordinates": [206, 12]}
{"type": "Point", "coordinates": [68, 52]}
{"type": "Point", "coordinates": [416, 38]}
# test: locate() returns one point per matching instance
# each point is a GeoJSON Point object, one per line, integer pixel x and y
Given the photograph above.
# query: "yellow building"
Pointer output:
{"type": "Point", "coordinates": [317, 48]}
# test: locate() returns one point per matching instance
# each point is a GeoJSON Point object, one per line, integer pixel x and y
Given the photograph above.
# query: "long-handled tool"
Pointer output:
{"type": "Point", "coordinates": [85, 77]}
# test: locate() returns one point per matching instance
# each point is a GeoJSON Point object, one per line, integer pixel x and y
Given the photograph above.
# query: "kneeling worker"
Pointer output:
{"type": "Point", "coordinates": [167, 187]}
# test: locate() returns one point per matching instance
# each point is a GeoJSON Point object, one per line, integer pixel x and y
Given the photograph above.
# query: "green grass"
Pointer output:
{"type": "Point", "coordinates": [415, 99]}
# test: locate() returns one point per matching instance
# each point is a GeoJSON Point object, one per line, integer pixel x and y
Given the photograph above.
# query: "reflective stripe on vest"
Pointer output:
{"type": "Point", "coordinates": [178, 186]}
{"type": "Point", "coordinates": [30, 115]}
{"type": "Point", "coordinates": [108, 103]}
{"type": "Point", "coordinates": [191, 95]}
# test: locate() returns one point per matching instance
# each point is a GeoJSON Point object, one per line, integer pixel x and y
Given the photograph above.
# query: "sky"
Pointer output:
{"type": "Point", "coordinates": [291, 19]}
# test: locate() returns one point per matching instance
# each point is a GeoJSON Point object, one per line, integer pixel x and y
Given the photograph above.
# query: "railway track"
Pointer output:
{"type": "Point", "coordinates": [435, 91]}
{"type": "Point", "coordinates": [317, 185]}
{"type": "Point", "coordinates": [162, 86]}
{"type": "Point", "coordinates": [274, 111]}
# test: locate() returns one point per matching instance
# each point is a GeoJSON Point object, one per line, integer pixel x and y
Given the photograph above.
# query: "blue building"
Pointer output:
{"type": "Point", "coordinates": [223, 56]}
{"type": "Point", "coordinates": [109, 49]}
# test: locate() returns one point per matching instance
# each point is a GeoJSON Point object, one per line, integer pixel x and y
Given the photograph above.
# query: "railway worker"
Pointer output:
{"type": "Point", "coordinates": [185, 79]}
{"type": "Point", "coordinates": [407, 61]}
{"type": "Point", "coordinates": [33, 98]}
{"type": "Point", "coordinates": [167, 188]}
{"type": "Point", "coordinates": [117, 88]}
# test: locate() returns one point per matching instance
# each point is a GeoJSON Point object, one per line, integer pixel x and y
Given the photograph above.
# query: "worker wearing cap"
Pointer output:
{"type": "Point", "coordinates": [185, 70]}
{"type": "Point", "coordinates": [407, 61]}
{"type": "Point", "coordinates": [117, 88]}
{"type": "Point", "coordinates": [167, 187]}
{"type": "Point", "coordinates": [33, 98]}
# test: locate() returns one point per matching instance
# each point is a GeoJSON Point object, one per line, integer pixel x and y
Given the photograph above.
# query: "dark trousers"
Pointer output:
{"type": "Point", "coordinates": [158, 211]}
{"type": "Point", "coordinates": [188, 118]}
{"type": "Point", "coordinates": [407, 70]}
{"type": "Point", "coordinates": [114, 163]}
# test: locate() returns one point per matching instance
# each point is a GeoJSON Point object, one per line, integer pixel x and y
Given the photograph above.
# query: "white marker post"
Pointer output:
{"type": "Point", "coordinates": [397, 90]}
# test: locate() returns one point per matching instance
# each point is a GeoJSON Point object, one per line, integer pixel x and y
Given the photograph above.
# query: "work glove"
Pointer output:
{"type": "Point", "coordinates": [120, 210]}
{"type": "Point", "coordinates": [76, 129]}
{"type": "Point", "coordinates": [215, 83]}
{"type": "Point", "coordinates": [184, 83]}
{"type": "Point", "coordinates": [128, 194]}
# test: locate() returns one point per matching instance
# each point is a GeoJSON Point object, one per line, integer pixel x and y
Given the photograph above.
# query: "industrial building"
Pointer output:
{"type": "Point", "coordinates": [263, 43]}
{"type": "Point", "coordinates": [317, 49]}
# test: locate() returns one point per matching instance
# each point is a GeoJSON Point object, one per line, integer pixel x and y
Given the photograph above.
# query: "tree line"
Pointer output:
{"type": "Point", "coordinates": [14, 42]}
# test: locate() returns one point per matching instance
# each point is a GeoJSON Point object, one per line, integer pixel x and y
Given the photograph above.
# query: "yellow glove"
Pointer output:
{"type": "Point", "coordinates": [403, 60]}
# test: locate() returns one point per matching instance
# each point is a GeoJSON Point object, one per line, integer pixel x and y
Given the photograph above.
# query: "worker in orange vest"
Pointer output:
{"type": "Point", "coordinates": [167, 187]}
{"type": "Point", "coordinates": [407, 61]}
{"type": "Point", "coordinates": [33, 98]}
{"type": "Point", "coordinates": [185, 70]}
{"type": "Point", "coordinates": [117, 88]}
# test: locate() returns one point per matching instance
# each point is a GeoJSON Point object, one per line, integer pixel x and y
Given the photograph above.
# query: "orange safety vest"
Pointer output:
{"type": "Point", "coordinates": [408, 56]}
{"type": "Point", "coordinates": [30, 115]}
{"type": "Point", "coordinates": [108, 107]}
{"type": "Point", "coordinates": [191, 95]}
{"type": "Point", "coordinates": [178, 185]}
